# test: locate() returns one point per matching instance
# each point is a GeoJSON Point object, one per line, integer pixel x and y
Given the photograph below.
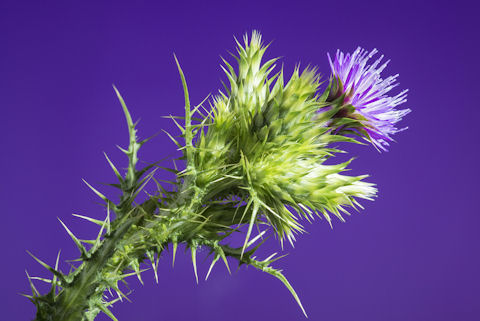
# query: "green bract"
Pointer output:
{"type": "Point", "coordinates": [256, 156]}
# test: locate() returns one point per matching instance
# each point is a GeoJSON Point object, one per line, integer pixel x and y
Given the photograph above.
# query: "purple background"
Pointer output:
{"type": "Point", "coordinates": [413, 254]}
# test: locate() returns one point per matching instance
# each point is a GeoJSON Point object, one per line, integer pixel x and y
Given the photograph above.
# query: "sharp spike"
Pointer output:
{"type": "Point", "coordinates": [41, 279]}
{"type": "Point", "coordinates": [175, 245]}
{"type": "Point", "coordinates": [154, 262]}
{"type": "Point", "coordinates": [98, 222]}
{"type": "Point", "coordinates": [215, 259]}
{"type": "Point", "coordinates": [278, 274]}
{"type": "Point", "coordinates": [250, 226]}
{"type": "Point", "coordinates": [77, 242]}
{"type": "Point", "coordinates": [143, 183]}
{"type": "Point", "coordinates": [188, 114]}
{"type": "Point", "coordinates": [194, 261]}
{"type": "Point", "coordinates": [30, 297]}
{"type": "Point", "coordinates": [48, 267]}
{"type": "Point", "coordinates": [173, 139]}
{"type": "Point", "coordinates": [32, 286]}
{"type": "Point", "coordinates": [54, 279]}
{"type": "Point", "coordinates": [107, 219]}
{"type": "Point", "coordinates": [224, 258]}
{"type": "Point", "coordinates": [252, 241]}
{"type": "Point", "coordinates": [107, 311]}
{"type": "Point", "coordinates": [117, 173]}
{"type": "Point", "coordinates": [136, 268]}
{"type": "Point", "coordinates": [183, 130]}
{"type": "Point", "coordinates": [128, 117]}
{"type": "Point", "coordinates": [96, 192]}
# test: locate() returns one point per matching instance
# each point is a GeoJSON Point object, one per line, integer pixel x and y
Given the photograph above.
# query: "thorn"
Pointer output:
{"type": "Point", "coordinates": [215, 259]}
{"type": "Point", "coordinates": [175, 244]}
{"type": "Point", "coordinates": [284, 280]}
{"type": "Point", "coordinates": [154, 262]}
{"type": "Point", "coordinates": [128, 117]}
{"type": "Point", "coordinates": [136, 268]}
{"type": "Point", "coordinates": [120, 178]}
{"type": "Point", "coordinates": [54, 279]}
{"type": "Point", "coordinates": [92, 220]}
{"type": "Point", "coordinates": [107, 311]}
{"type": "Point", "coordinates": [250, 226]}
{"type": "Point", "coordinates": [96, 192]}
{"type": "Point", "coordinates": [28, 297]}
{"type": "Point", "coordinates": [173, 139]}
{"type": "Point", "coordinates": [224, 258]}
{"type": "Point", "coordinates": [144, 182]}
{"type": "Point", "coordinates": [194, 261]}
{"type": "Point", "coordinates": [77, 242]}
{"type": "Point", "coordinates": [34, 289]}
{"type": "Point", "coordinates": [252, 241]}
{"type": "Point", "coordinates": [107, 219]}
{"type": "Point", "coordinates": [45, 265]}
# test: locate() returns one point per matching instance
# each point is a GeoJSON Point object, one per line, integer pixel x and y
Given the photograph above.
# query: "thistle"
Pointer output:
{"type": "Point", "coordinates": [363, 94]}
{"type": "Point", "coordinates": [255, 157]}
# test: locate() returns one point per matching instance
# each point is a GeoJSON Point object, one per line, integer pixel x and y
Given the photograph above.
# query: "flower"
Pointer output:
{"type": "Point", "coordinates": [366, 91]}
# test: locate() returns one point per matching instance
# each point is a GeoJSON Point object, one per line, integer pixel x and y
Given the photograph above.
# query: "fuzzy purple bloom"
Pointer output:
{"type": "Point", "coordinates": [365, 90]}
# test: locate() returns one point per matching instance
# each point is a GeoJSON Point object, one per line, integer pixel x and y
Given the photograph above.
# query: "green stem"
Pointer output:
{"type": "Point", "coordinates": [74, 300]}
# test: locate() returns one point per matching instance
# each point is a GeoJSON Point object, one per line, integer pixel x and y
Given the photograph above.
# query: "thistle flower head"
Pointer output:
{"type": "Point", "coordinates": [361, 86]}
{"type": "Point", "coordinates": [267, 145]}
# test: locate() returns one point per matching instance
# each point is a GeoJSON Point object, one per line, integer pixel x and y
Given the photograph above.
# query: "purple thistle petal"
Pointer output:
{"type": "Point", "coordinates": [368, 93]}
